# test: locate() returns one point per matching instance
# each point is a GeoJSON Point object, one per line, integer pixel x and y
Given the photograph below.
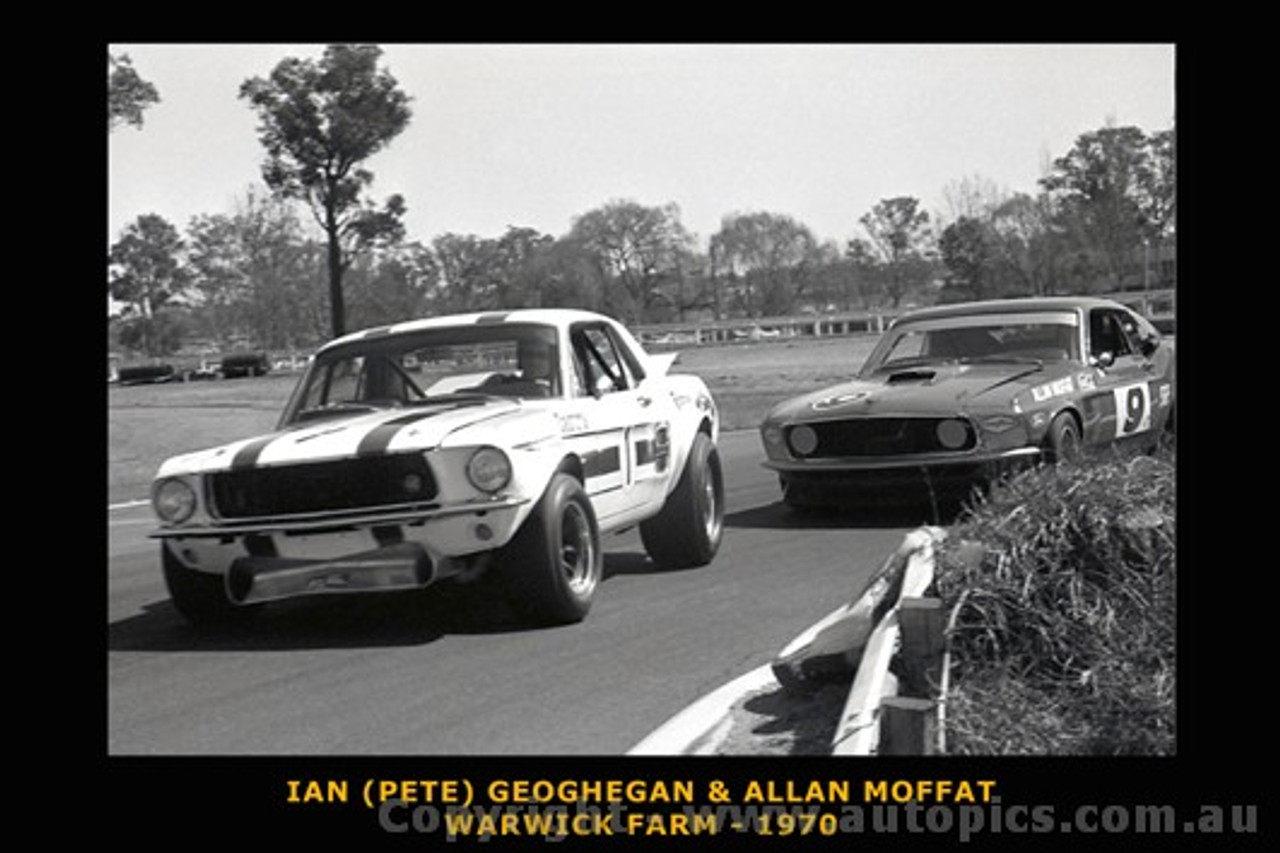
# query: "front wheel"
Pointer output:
{"type": "Point", "coordinates": [688, 530]}
{"type": "Point", "coordinates": [554, 563]}
{"type": "Point", "coordinates": [1064, 439]}
{"type": "Point", "coordinates": [200, 597]}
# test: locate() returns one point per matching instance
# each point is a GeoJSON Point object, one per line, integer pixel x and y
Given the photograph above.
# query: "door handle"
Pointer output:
{"type": "Point", "coordinates": [644, 401]}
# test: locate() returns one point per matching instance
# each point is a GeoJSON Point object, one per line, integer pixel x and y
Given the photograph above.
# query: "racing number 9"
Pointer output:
{"type": "Point", "coordinates": [1133, 409]}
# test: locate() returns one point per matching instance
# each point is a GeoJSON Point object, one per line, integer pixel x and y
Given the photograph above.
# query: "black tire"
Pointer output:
{"type": "Point", "coordinates": [688, 530]}
{"type": "Point", "coordinates": [201, 598]}
{"type": "Point", "coordinates": [551, 568]}
{"type": "Point", "coordinates": [1064, 440]}
{"type": "Point", "coordinates": [793, 501]}
{"type": "Point", "coordinates": [1166, 440]}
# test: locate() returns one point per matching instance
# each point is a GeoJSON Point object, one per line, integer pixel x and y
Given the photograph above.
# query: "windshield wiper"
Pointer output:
{"type": "Point", "coordinates": [333, 410]}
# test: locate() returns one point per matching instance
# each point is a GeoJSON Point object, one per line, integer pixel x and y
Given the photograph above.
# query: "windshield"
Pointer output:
{"type": "Point", "coordinates": [474, 361]}
{"type": "Point", "coordinates": [973, 339]}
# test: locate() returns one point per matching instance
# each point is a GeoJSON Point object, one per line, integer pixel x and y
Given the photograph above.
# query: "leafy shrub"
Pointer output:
{"type": "Point", "coordinates": [1062, 586]}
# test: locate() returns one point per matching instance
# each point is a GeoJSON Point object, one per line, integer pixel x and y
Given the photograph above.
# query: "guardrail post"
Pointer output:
{"type": "Point", "coordinates": [908, 726]}
{"type": "Point", "coordinates": [923, 645]}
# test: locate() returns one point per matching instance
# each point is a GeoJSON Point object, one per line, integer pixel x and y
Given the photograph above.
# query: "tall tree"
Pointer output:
{"type": "Point", "coordinates": [393, 284]}
{"type": "Point", "coordinates": [253, 270]}
{"type": "Point", "coordinates": [861, 272]}
{"type": "Point", "coordinates": [518, 254]}
{"type": "Point", "coordinates": [146, 272]}
{"type": "Point", "coordinates": [1099, 187]}
{"type": "Point", "coordinates": [1157, 185]}
{"type": "Point", "coordinates": [319, 122]}
{"type": "Point", "coordinates": [469, 273]}
{"type": "Point", "coordinates": [568, 276]}
{"type": "Point", "coordinates": [965, 249]}
{"type": "Point", "coordinates": [898, 229]}
{"type": "Point", "coordinates": [769, 256]}
{"type": "Point", "coordinates": [639, 251]}
{"type": "Point", "coordinates": [128, 95]}
{"type": "Point", "coordinates": [1029, 251]}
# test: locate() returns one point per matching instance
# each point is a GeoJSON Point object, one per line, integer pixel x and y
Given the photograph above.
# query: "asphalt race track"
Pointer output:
{"type": "Point", "coordinates": [444, 673]}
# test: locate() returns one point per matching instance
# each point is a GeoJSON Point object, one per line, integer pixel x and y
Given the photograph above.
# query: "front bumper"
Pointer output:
{"type": "Point", "coordinates": [900, 480]}
{"type": "Point", "coordinates": [269, 558]}
{"type": "Point", "coordinates": [889, 463]}
{"type": "Point", "coordinates": [395, 567]}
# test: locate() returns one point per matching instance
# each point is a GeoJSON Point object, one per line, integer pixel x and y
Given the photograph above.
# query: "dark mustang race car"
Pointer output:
{"type": "Point", "coordinates": [954, 396]}
{"type": "Point", "coordinates": [495, 448]}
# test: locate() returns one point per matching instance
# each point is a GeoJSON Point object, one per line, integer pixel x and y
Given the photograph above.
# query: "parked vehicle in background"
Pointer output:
{"type": "Point", "coordinates": [245, 364]}
{"type": "Point", "coordinates": [954, 396]}
{"type": "Point", "coordinates": [143, 374]}
{"type": "Point", "coordinates": [495, 448]}
{"type": "Point", "coordinates": [205, 370]}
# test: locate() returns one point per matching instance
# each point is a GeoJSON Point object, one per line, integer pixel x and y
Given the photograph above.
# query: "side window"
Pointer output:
{"type": "Point", "coordinates": [341, 383]}
{"type": "Point", "coordinates": [1107, 334]}
{"type": "Point", "coordinates": [1142, 336]}
{"type": "Point", "coordinates": [598, 362]}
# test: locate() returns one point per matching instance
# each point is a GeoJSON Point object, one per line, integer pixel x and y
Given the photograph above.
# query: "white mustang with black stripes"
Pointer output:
{"type": "Point", "coordinates": [485, 447]}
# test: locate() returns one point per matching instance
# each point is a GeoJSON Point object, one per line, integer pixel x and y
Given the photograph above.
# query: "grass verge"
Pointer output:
{"type": "Point", "coordinates": [1062, 586]}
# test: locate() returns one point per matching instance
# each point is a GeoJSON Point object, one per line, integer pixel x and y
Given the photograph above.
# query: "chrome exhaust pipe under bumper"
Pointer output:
{"type": "Point", "coordinates": [405, 565]}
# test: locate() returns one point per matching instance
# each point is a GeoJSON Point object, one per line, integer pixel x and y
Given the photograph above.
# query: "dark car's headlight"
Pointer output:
{"type": "Point", "coordinates": [174, 500]}
{"type": "Point", "coordinates": [803, 440]}
{"type": "Point", "coordinates": [489, 469]}
{"type": "Point", "coordinates": [952, 433]}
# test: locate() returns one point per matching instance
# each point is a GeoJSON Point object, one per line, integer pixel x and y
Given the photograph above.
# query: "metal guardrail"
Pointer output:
{"type": "Point", "coordinates": [891, 627]}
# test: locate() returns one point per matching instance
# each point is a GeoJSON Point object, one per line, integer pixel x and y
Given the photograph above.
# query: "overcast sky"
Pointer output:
{"type": "Point", "coordinates": [535, 135]}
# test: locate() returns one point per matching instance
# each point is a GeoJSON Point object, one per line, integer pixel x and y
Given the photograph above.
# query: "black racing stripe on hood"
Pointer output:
{"type": "Point", "coordinates": [379, 438]}
{"type": "Point", "coordinates": [247, 456]}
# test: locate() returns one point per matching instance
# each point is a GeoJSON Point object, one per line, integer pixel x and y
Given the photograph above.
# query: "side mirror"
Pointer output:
{"type": "Point", "coordinates": [1103, 359]}
{"type": "Point", "coordinates": [603, 385]}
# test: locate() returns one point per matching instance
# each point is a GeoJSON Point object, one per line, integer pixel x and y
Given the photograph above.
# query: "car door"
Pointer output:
{"type": "Point", "coordinates": [1122, 404]}
{"type": "Point", "coordinates": [614, 432]}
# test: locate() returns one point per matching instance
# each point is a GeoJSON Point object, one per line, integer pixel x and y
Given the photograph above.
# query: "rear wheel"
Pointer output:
{"type": "Point", "coordinates": [1064, 439]}
{"type": "Point", "coordinates": [200, 597]}
{"type": "Point", "coordinates": [688, 530]}
{"type": "Point", "coordinates": [551, 568]}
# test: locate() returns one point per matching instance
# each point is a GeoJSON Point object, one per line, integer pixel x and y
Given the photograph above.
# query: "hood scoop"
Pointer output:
{"type": "Point", "coordinates": [904, 377]}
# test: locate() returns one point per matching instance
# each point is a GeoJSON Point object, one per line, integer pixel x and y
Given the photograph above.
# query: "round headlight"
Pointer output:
{"type": "Point", "coordinates": [952, 434]}
{"type": "Point", "coordinates": [489, 469]}
{"type": "Point", "coordinates": [803, 440]}
{"type": "Point", "coordinates": [173, 500]}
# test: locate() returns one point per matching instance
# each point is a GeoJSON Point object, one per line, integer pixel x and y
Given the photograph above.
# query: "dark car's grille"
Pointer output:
{"type": "Point", "coordinates": [345, 484]}
{"type": "Point", "coordinates": [885, 437]}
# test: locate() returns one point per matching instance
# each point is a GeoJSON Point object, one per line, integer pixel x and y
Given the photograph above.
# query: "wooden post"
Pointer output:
{"type": "Point", "coordinates": [908, 726]}
{"type": "Point", "coordinates": [923, 645]}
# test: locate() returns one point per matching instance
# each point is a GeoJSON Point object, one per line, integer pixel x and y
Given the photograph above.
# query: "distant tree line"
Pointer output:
{"type": "Point", "coordinates": [256, 276]}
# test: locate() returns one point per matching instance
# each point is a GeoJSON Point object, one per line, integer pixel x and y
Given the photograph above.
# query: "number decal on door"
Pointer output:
{"type": "Point", "coordinates": [1133, 409]}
